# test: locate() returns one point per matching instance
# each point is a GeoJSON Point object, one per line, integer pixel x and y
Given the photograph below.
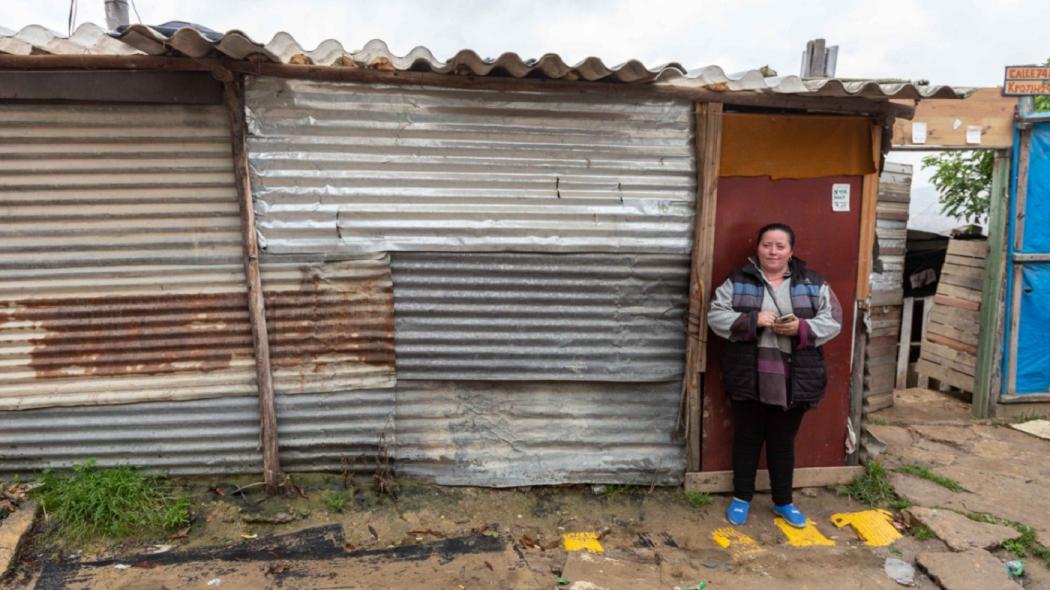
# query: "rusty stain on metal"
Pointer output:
{"type": "Point", "coordinates": [121, 335]}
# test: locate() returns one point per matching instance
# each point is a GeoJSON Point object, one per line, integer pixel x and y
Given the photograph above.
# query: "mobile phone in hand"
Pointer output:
{"type": "Point", "coordinates": [786, 318]}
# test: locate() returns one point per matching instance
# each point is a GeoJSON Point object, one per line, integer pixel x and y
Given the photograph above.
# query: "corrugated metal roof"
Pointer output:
{"type": "Point", "coordinates": [175, 39]}
{"type": "Point", "coordinates": [351, 167]}
{"type": "Point", "coordinates": [510, 434]}
{"type": "Point", "coordinates": [578, 317]}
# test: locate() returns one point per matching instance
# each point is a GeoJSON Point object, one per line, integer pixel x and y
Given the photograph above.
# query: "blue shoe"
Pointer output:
{"type": "Point", "coordinates": [736, 514]}
{"type": "Point", "coordinates": [792, 515]}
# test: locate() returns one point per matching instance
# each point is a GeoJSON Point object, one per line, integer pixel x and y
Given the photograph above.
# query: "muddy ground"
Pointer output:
{"type": "Point", "coordinates": [441, 537]}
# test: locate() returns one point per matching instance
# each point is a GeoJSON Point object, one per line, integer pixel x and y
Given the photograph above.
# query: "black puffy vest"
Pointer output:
{"type": "Point", "coordinates": [807, 372]}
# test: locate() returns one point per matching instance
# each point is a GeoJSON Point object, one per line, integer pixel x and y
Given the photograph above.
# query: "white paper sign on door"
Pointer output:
{"type": "Point", "coordinates": [840, 197]}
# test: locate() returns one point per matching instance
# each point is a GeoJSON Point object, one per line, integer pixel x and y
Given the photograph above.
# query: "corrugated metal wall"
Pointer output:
{"type": "Point", "coordinates": [378, 168]}
{"type": "Point", "coordinates": [200, 436]}
{"type": "Point", "coordinates": [580, 317]}
{"type": "Point", "coordinates": [120, 253]}
{"type": "Point", "coordinates": [509, 434]}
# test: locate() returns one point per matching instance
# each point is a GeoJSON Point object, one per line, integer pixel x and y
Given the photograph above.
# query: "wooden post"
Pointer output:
{"type": "Point", "coordinates": [856, 385]}
{"type": "Point", "coordinates": [233, 93]}
{"type": "Point", "coordinates": [869, 200]}
{"type": "Point", "coordinates": [708, 158]}
{"type": "Point", "coordinates": [904, 344]}
{"type": "Point", "coordinates": [1024, 152]}
{"type": "Point", "coordinates": [986, 387]}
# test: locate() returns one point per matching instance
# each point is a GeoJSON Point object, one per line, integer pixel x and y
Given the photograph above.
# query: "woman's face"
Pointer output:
{"type": "Point", "coordinates": [774, 251]}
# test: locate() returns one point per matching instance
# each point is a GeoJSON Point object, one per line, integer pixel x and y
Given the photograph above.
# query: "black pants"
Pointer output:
{"type": "Point", "coordinates": [757, 423]}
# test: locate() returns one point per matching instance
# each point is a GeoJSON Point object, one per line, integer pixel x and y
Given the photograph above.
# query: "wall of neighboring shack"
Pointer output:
{"type": "Point", "coordinates": [540, 256]}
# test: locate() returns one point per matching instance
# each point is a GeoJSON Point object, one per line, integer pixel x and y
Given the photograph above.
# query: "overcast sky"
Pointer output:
{"type": "Point", "coordinates": [959, 42]}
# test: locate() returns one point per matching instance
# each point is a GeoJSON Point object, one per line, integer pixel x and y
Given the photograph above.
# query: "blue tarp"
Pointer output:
{"type": "Point", "coordinates": [1033, 350]}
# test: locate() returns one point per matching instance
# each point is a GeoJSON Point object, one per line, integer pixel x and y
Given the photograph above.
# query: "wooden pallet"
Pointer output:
{"type": "Point", "coordinates": [949, 348]}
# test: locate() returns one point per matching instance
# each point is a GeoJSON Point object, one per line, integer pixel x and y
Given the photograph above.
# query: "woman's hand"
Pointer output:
{"type": "Point", "coordinates": [786, 328]}
{"type": "Point", "coordinates": [766, 319]}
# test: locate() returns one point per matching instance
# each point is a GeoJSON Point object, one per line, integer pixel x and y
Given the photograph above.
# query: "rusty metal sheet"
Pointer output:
{"type": "Point", "coordinates": [366, 168]}
{"type": "Point", "coordinates": [514, 316]}
{"type": "Point", "coordinates": [505, 434]}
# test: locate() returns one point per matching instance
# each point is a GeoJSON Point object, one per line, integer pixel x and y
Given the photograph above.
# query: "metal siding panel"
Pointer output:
{"type": "Point", "coordinates": [355, 167]}
{"type": "Point", "coordinates": [123, 277]}
{"type": "Point", "coordinates": [201, 436]}
{"type": "Point", "coordinates": [505, 434]}
{"type": "Point", "coordinates": [580, 317]}
{"type": "Point", "coordinates": [192, 437]}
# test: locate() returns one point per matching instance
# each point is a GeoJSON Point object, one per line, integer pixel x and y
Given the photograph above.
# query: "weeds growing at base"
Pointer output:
{"type": "Point", "coordinates": [698, 499]}
{"type": "Point", "coordinates": [925, 473]}
{"type": "Point", "coordinates": [115, 502]}
{"type": "Point", "coordinates": [872, 488]}
{"type": "Point", "coordinates": [1024, 545]}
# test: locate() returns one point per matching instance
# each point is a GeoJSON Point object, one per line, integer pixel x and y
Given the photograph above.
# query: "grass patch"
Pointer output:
{"type": "Point", "coordinates": [872, 488]}
{"type": "Point", "coordinates": [116, 503]}
{"type": "Point", "coordinates": [901, 504]}
{"type": "Point", "coordinates": [1024, 545]}
{"type": "Point", "coordinates": [699, 499]}
{"type": "Point", "coordinates": [614, 490]}
{"type": "Point", "coordinates": [922, 533]}
{"type": "Point", "coordinates": [925, 473]}
{"type": "Point", "coordinates": [336, 501]}
{"type": "Point", "coordinates": [878, 422]}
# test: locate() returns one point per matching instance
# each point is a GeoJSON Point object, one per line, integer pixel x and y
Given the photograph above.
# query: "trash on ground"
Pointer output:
{"type": "Point", "coordinates": [250, 537]}
{"type": "Point", "coordinates": [582, 542]}
{"type": "Point", "coordinates": [1015, 568]}
{"type": "Point", "coordinates": [121, 566]}
{"type": "Point", "coordinates": [899, 571]}
{"type": "Point", "coordinates": [214, 581]}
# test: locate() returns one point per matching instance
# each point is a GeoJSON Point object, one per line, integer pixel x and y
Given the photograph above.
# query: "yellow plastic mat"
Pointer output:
{"type": "Point", "coordinates": [807, 537]}
{"type": "Point", "coordinates": [874, 527]}
{"type": "Point", "coordinates": [582, 542]}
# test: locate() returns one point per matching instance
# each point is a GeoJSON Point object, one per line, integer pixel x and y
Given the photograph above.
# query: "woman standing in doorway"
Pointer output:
{"type": "Point", "coordinates": [776, 315]}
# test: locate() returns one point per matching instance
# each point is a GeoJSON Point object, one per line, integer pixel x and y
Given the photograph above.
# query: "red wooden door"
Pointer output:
{"type": "Point", "coordinates": [828, 241]}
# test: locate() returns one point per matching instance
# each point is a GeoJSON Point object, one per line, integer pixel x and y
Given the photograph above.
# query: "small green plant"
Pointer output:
{"type": "Point", "coordinates": [901, 504]}
{"type": "Point", "coordinates": [615, 489]}
{"type": "Point", "coordinates": [872, 488]}
{"type": "Point", "coordinates": [1024, 545]}
{"type": "Point", "coordinates": [699, 499]}
{"type": "Point", "coordinates": [878, 422]}
{"type": "Point", "coordinates": [336, 501]}
{"type": "Point", "coordinates": [925, 473]}
{"type": "Point", "coordinates": [922, 533]}
{"type": "Point", "coordinates": [116, 502]}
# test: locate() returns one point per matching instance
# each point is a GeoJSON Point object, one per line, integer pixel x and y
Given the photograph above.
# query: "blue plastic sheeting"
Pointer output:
{"type": "Point", "coordinates": [1037, 208]}
{"type": "Point", "coordinates": [1033, 350]}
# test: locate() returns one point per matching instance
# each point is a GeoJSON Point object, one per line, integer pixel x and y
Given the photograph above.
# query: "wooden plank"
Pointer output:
{"type": "Point", "coordinates": [985, 108]}
{"type": "Point", "coordinates": [927, 308]}
{"type": "Point", "coordinates": [233, 94]}
{"type": "Point", "coordinates": [964, 261]}
{"type": "Point", "coordinates": [887, 297]}
{"type": "Point", "coordinates": [904, 348]}
{"type": "Point", "coordinates": [963, 320]}
{"type": "Point", "coordinates": [856, 384]}
{"type": "Point", "coordinates": [708, 154]}
{"type": "Point", "coordinates": [966, 360]}
{"type": "Point", "coordinates": [874, 403]}
{"type": "Point", "coordinates": [869, 200]}
{"type": "Point", "coordinates": [944, 331]}
{"type": "Point", "coordinates": [876, 384]}
{"type": "Point", "coordinates": [956, 345]}
{"type": "Point", "coordinates": [717, 482]}
{"type": "Point", "coordinates": [968, 282]}
{"type": "Point", "coordinates": [125, 86]}
{"type": "Point", "coordinates": [988, 380]}
{"type": "Point", "coordinates": [954, 302]}
{"type": "Point", "coordinates": [930, 370]}
{"type": "Point", "coordinates": [971, 248]}
{"type": "Point", "coordinates": [967, 272]}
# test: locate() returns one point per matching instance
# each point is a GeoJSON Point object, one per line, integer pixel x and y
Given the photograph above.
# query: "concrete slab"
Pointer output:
{"type": "Point", "coordinates": [961, 533]}
{"type": "Point", "coordinates": [1039, 428]}
{"type": "Point", "coordinates": [12, 530]}
{"type": "Point", "coordinates": [975, 569]}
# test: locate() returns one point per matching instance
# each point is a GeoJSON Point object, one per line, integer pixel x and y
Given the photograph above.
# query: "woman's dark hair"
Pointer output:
{"type": "Point", "coordinates": [777, 227]}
